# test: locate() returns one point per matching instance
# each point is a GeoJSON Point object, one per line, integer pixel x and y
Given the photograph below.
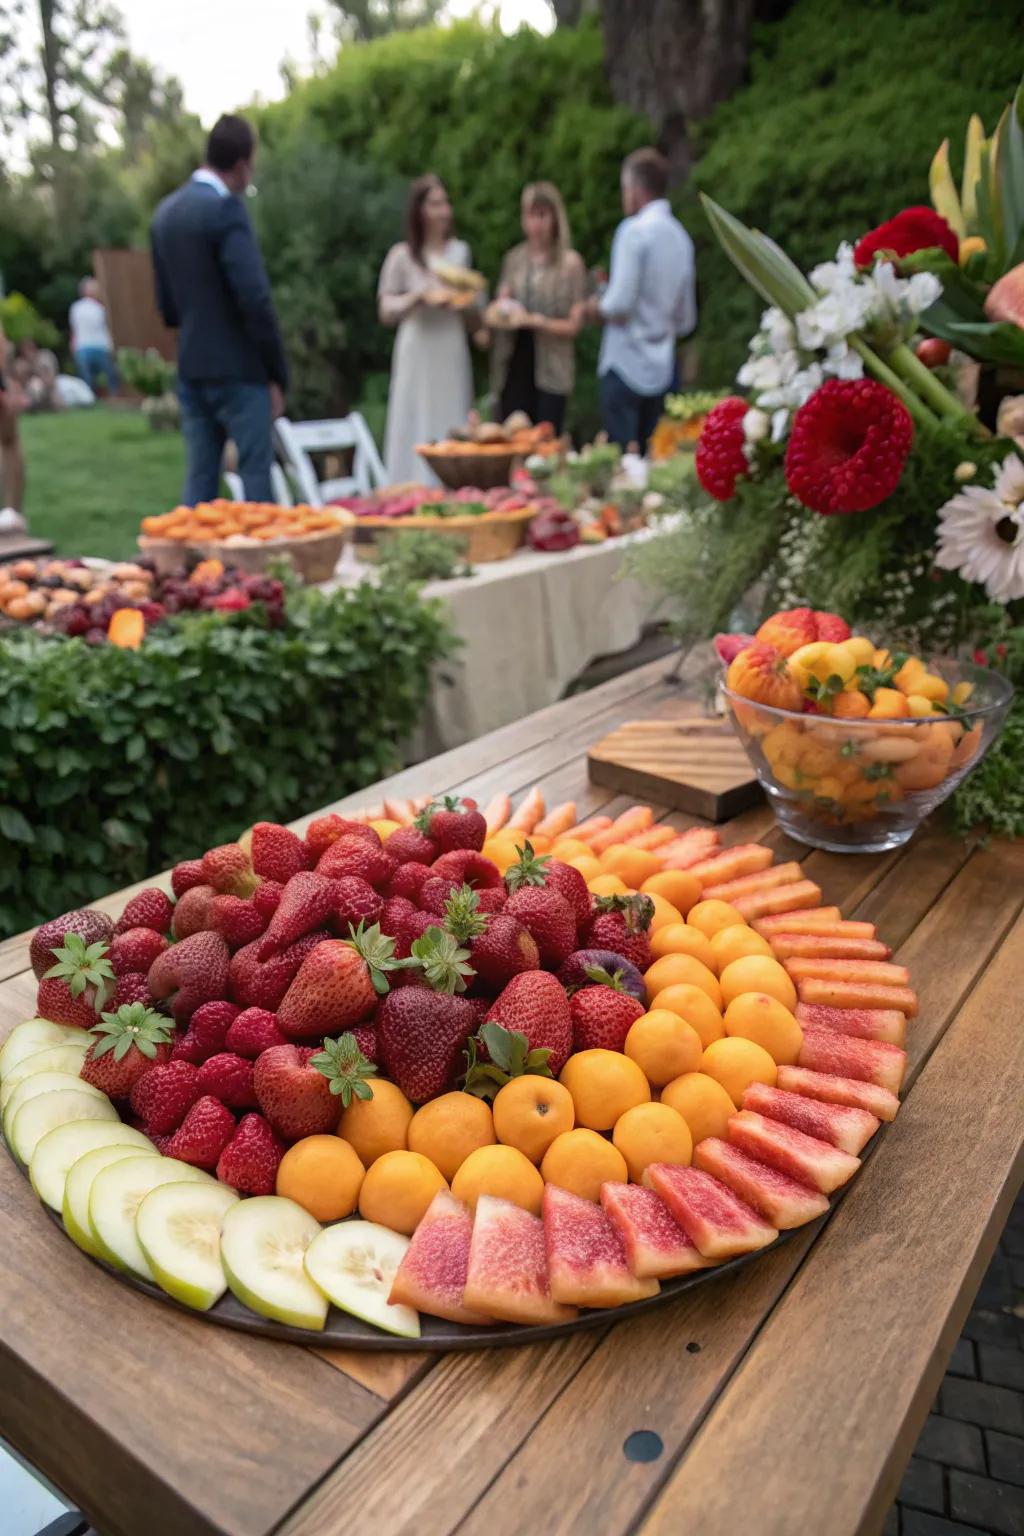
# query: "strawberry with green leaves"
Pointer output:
{"type": "Point", "coordinates": [499, 946]}
{"type": "Point", "coordinates": [506, 1054]}
{"type": "Point", "coordinates": [534, 1004]}
{"type": "Point", "coordinates": [452, 822]}
{"type": "Point", "coordinates": [127, 1045]}
{"type": "Point", "coordinates": [551, 874]}
{"type": "Point", "coordinates": [294, 1095]}
{"type": "Point", "coordinates": [603, 1014]}
{"type": "Point", "coordinates": [422, 1030]}
{"type": "Point", "coordinates": [338, 984]}
{"type": "Point", "coordinates": [76, 987]}
{"type": "Point", "coordinates": [622, 924]}
{"type": "Point", "coordinates": [345, 1067]}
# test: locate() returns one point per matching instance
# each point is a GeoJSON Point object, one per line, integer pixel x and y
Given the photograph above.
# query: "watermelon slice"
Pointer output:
{"type": "Point", "coordinates": [587, 1264]}
{"type": "Point", "coordinates": [824, 946]}
{"type": "Point", "coordinates": [856, 994]}
{"type": "Point", "coordinates": [731, 863]}
{"type": "Point", "coordinates": [784, 898]}
{"type": "Point", "coordinates": [867, 972]}
{"type": "Point", "coordinates": [847, 1128]}
{"type": "Point", "coordinates": [721, 1225]}
{"type": "Point", "coordinates": [508, 1270]}
{"type": "Point", "coordinates": [811, 920]}
{"type": "Point", "coordinates": [432, 1275]}
{"type": "Point", "coordinates": [831, 1089]}
{"type": "Point", "coordinates": [792, 1152]}
{"type": "Point", "coordinates": [656, 1245]}
{"type": "Point", "coordinates": [746, 885]}
{"type": "Point", "coordinates": [872, 1061]}
{"type": "Point", "coordinates": [886, 1024]}
{"type": "Point", "coordinates": [778, 1198]}
{"type": "Point", "coordinates": [689, 848]}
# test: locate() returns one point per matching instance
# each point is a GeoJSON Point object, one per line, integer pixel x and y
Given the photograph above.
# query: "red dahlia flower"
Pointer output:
{"type": "Point", "coordinates": [915, 229]}
{"type": "Point", "coordinates": [848, 446]}
{"type": "Point", "coordinates": [720, 457]}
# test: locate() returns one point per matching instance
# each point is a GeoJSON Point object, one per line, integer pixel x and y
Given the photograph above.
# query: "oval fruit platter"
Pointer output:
{"type": "Point", "coordinates": [442, 1076]}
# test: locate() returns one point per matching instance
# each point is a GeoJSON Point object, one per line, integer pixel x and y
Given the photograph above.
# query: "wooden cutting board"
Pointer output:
{"type": "Point", "coordinates": [691, 763]}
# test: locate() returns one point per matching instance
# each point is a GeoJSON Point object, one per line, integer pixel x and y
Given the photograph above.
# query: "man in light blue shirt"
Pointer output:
{"type": "Point", "coordinates": [649, 302]}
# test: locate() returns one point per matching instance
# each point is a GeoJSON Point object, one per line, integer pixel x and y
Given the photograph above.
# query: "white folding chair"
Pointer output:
{"type": "Point", "coordinates": [299, 440]}
{"type": "Point", "coordinates": [278, 480]}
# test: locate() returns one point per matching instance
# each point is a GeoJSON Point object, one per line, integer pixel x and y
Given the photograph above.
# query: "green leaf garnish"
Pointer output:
{"type": "Point", "coordinates": [445, 966]}
{"type": "Point", "coordinates": [132, 1024]}
{"type": "Point", "coordinates": [345, 1068]}
{"type": "Point", "coordinates": [82, 965]}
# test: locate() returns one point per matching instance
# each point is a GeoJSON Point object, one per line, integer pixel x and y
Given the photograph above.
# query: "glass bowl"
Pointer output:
{"type": "Point", "coordinates": [864, 786]}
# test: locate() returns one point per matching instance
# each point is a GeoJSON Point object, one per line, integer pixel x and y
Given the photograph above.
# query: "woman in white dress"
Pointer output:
{"type": "Point", "coordinates": [431, 373]}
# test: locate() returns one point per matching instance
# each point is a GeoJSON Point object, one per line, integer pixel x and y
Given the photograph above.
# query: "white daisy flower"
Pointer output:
{"type": "Point", "coordinates": [981, 534]}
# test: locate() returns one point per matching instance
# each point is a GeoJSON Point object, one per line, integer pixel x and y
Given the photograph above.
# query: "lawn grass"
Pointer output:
{"type": "Point", "coordinates": [92, 475]}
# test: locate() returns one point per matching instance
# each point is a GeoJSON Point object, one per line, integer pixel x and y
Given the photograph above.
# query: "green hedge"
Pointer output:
{"type": "Point", "coordinates": [116, 763]}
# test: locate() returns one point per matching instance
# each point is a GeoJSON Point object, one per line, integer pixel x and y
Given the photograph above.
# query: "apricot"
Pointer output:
{"type": "Point", "coordinates": [887, 704]}
{"type": "Point", "coordinates": [851, 705]}
{"type": "Point", "coordinates": [397, 1189]}
{"type": "Point", "coordinates": [677, 969]}
{"type": "Point", "coordinates": [608, 885]}
{"type": "Point", "coordinates": [680, 939]}
{"type": "Point", "coordinates": [710, 916]}
{"type": "Point", "coordinates": [702, 1102]}
{"type": "Point", "coordinates": [530, 1111]}
{"type": "Point", "coordinates": [603, 1084]}
{"type": "Point", "coordinates": [322, 1174]}
{"type": "Point", "coordinates": [581, 1161]}
{"type": "Point", "coordinates": [677, 886]}
{"type": "Point", "coordinates": [587, 865]}
{"type": "Point", "coordinates": [758, 973]}
{"type": "Point", "coordinates": [759, 1017]}
{"type": "Point", "coordinates": [733, 943]}
{"type": "Point", "coordinates": [633, 865]}
{"type": "Point", "coordinates": [501, 1171]}
{"type": "Point", "coordinates": [736, 1063]}
{"type": "Point", "coordinates": [931, 763]}
{"type": "Point", "coordinates": [862, 650]}
{"type": "Point", "coordinates": [693, 1005]}
{"type": "Point", "coordinates": [663, 1046]}
{"type": "Point", "coordinates": [379, 1124]}
{"type": "Point", "coordinates": [567, 848]}
{"type": "Point", "coordinates": [652, 1133]}
{"type": "Point", "coordinates": [665, 914]}
{"type": "Point", "coordinates": [447, 1129]}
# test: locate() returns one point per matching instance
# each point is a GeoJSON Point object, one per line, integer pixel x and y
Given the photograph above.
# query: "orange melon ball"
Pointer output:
{"type": "Point", "coordinates": [581, 1161]}
{"type": "Point", "coordinates": [677, 886]}
{"type": "Point", "coordinates": [736, 1063]}
{"type": "Point", "coordinates": [665, 914]}
{"type": "Point", "coordinates": [501, 1171]}
{"type": "Point", "coordinates": [757, 1016]}
{"type": "Point", "coordinates": [730, 944]}
{"type": "Point", "coordinates": [680, 939]}
{"type": "Point", "coordinates": [652, 1133]}
{"type": "Point", "coordinates": [635, 865]}
{"type": "Point", "coordinates": [675, 970]}
{"type": "Point", "coordinates": [710, 916]}
{"type": "Point", "coordinates": [608, 885]}
{"type": "Point", "coordinates": [702, 1102]}
{"type": "Point", "coordinates": [695, 1007]}
{"type": "Point", "coordinates": [663, 1046]}
{"type": "Point", "coordinates": [758, 973]}
{"type": "Point", "coordinates": [603, 1084]}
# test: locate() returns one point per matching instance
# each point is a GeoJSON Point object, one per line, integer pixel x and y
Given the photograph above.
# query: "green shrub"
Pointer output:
{"type": "Point", "coordinates": [115, 763]}
{"type": "Point", "coordinates": [21, 321]}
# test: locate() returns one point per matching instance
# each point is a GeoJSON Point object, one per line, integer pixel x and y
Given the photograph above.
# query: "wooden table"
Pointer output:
{"type": "Point", "coordinates": [786, 1398]}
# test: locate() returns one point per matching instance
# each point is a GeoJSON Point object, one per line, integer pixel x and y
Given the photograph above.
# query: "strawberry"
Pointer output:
{"type": "Point", "coordinates": [192, 911]}
{"type": "Point", "coordinates": [237, 921]}
{"type": "Point", "coordinates": [534, 1004]}
{"type": "Point", "coordinates": [452, 822]}
{"type": "Point", "coordinates": [196, 971]}
{"type": "Point", "coordinates": [435, 893]}
{"type": "Point", "coordinates": [210, 1024]}
{"type": "Point", "coordinates": [422, 1031]}
{"type": "Point", "coordinates": [185, 875]}
{"type": "Point", "coordinates": [92, 928]}
{"type": "Point", "coordinates": [294, 1096]}
{"type": "Point", "coordinates": [127, 1045]}
{"type": "Point", "coordinates": [164, 1096]}
{"type": "Point", "coordinates": [553, 875]}
{"type": "Point", "coordinates": [621, 924]}
{"type": "Point", "coordinates": [131, 988]}
{"type": "Point", "coordinates": [308, 902]}
{"type": "Point", "coordinates": [467, 867]}
{"type": "Point", "coordinates": [357, 903]}
{"type": "Point", "coordinates": [151, 908]}
{"type": "Point", "coordinates": [249, 1161]}
{"type": "Point", "coordinates": [499, 946]}
{"type": "Point", "coordinates": [188, 1047]}
{"type": "Point", "coordinates": [229, 871]}
{"type": "Point", "coordinates": [496, 1055]}
{"type": "Point", "coordinates": [262, 984]}
{"type": "Point", "coordinates": [829, 626]}
{"type": "Point", "coordinates": [337, 985]}
{"type": "Point", "coordinates": [395, 911]}
{"type": "Point", "coordinates": [357, 856]}
{"type": "Point", "coordinates": [324, 831]}
{"type": "Point", "coordinates": [77, 986]}
{"type": "Point", "coordinates": [365, 1037]}
{"type": "Point", "coordinates": [413, 927]}
{"type": "Point", "coordinates": [266, 898]}
{"type": "Point", "coordinates": [345, 1068]}
{"type": "Point", "coordinates": [276, 852]}
{"type": "Point", "coordinates": [493, 899]}
{"type": "Point", "coordinates": [592, 967]}
{"type": "Point", "coordinates": [602, 1016]}
{"type": "Point", "coordinates": [203, 1134]}
{"type": "Point", "coordinates": [253, 1031]}
{"type": "Point", "coordinates": [408, 880]}
{"type": "Point", "coordinates": [228, 1078]}
{"type": "Point", "coordinates": [135, 949]}
{"type": "Point", "coordinates": [409, 845]}
{"type": "Point", "coordinates": [550, 919]}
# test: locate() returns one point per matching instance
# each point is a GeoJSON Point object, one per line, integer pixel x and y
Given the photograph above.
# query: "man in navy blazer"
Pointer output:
{"type": "Point", "coordinates": [212, 288]}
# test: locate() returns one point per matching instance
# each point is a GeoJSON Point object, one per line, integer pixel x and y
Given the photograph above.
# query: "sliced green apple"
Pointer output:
{"type": "Point", "coordinates": [48, 1110]}
{"type": "Point", "coordinates": [60, 1149]}
{"type": "Point", "coordinates": [354, 1263]}
{"type": "Point", "coordinates": [53, 1058]}
{"type": "Point", "coordinates": [75, 1209]}
{"type": "Point", "coordinates": [262, 1245]}
{"type": "Point", "coordinates": [38, 1083]}
{"type": "Point", "coordinates": [34, 1035]}
{"type": "Point", "coordinates": [115, 1197]}
{"type": "Point", "coordinates": [178, 1228]}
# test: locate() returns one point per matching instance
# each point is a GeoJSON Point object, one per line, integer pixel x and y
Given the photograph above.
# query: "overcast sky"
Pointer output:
{"type": "Point", "coordinates": [225, 52]}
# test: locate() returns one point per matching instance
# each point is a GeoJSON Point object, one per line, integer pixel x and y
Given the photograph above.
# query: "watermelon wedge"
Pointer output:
{"type": "Point", "coordinates": [732, 863]}
{"type": "Point", "coordinates": [824, 946]}
{"type": "Point", "coordinates": [689, 849]}
{"type": "Point", "coordinates": [508, 1268]}
{"type": "Point", "coordinates": [886, 1024]}
{"type": "Point", "coordinates": [831, 1089]}
{"type": "Point", "coordinates": [587, 1264]}
{"type": "Point", "coordinates": [784, 898]}
{"type": "Point", "coordinates": [856, 994]}
{"type": "Point", "coordinates": [719, 1223]}
{"type": "Point", "coordinates": [847, 1128]}
{"type": "Point", "coordinates": [656, 1245]}
{"type": "Point", "coordinates": [774, 1195]}
{"type": "Point", "coordinates": [802, 1157]}
{"type": "Point", "coordinates": [813, 920]}
{"type": "Point", "coordinates": [764, 880]}
{"type": "Point", "coordinates": [432, 1275]}
{"type": "Point", "coordinates": [872, 1061]}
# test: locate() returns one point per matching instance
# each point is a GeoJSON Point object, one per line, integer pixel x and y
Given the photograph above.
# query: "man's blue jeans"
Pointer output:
{"type": "Point", "coordinates": [627, 416]}
{"type": "Point", "coordinates": [210, 414]}
{"type": "Point", "coordinates": [95, 363]}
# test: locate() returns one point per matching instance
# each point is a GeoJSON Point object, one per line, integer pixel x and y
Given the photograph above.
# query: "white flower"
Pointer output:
{"type": "Point", "coordinates": [755, 425]}
{"type": "Point", "coordinates": [981, 534]}
{"type": "Point", "coordinates": [780, 423]}
{"type": "Point", "coordinates": [831, 275]}
{"type": "Point", "coordinates": [922, 291]}
{"type": "Point", "coordinates": [842, 362]}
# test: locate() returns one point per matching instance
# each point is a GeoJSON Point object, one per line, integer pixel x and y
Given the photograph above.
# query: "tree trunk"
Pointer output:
{"type": "Point", "coordinates": [674, 60]}
{"type": "Point", "coordinates": [50, 57]}
{"type": "Point", "coordinates": [569, 12]}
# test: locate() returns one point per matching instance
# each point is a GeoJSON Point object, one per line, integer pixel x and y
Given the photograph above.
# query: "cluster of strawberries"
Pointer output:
{"type": "Point", "coordinates": [297, 967]}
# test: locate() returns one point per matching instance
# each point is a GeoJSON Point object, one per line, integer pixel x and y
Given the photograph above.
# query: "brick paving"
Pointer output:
{"type": "Point", "coordinates": [966, 1475]}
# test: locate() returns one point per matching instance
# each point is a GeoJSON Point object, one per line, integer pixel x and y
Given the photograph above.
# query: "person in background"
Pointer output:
{"type": "Point", "coordinates": [650, 300]}
{"type": "Point", "coordinates": [212, 288]}
{"type": "Point", "coordinates": [431, 389]}
{"type": "Point", "coordinates": [36, 369]}
{"type": "Point", "coordinates": [536, 316]}
{"type": "Point", "coordinates": [12, 464]}
{"type": "Point", "coordinates": [91, 346]}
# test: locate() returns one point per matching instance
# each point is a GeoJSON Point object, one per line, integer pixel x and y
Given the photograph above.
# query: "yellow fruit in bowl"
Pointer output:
{"type": "Point", "coordinates": [447, 1129]}
{"type": "Point", "coordinates": [608, 885]}
{"type": "Point", "coordinates": [397, 1189]}
{"type": "Point", "coordinates": [530, 1111]}
{"type": "Point", "coordinates": [588, 866]}
{"type": "Point", "coordinates": [665, 914]}
{"type": "Point", "coordinates": [378, 1124]}
{"type": "Point", "coordinates": [758, 973]}
{"type": "Point", "coordinates": [862, 649]}
{"type": "Point", "coordinates": [733, 943]}
{"type": "Point", "coordinates": [822, 660]}
{"type": "Point", "coordinates": [675, 969]}
{"type": "Point", "coordinates": [759, 1017]}
{"type": "Point", "coordinates": [677, 886]}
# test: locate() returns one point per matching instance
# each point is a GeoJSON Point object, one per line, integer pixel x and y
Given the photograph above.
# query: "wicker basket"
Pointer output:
{"type": "Point", "coordinates": [487, 536]}
{"type": "Point", "coordinates": [481, 466]}
{"type": "Point", "coordinates": [314, 555]}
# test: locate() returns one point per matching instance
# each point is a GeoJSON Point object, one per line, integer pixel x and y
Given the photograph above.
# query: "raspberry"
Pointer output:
{"type": "Point", "coordinates": [848, 446]}
{"type": "Point", "coordinates": [720, 458]}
